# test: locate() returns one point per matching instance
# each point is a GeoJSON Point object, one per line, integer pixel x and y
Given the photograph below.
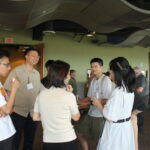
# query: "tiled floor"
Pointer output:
{"type": "Point", "coordinates": [144, 139]}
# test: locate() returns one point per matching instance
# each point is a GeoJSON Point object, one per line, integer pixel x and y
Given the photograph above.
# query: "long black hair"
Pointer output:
{"type": "Point", "coordinates": [58, 72]}
{"type": "Point", "coordinates": [123, 72]}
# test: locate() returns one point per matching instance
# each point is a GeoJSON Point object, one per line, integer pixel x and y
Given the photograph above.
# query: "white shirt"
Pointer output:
{"type": "Point", "coordinates": [118, 135]}
{"type": "Point", "coordinates": [100, 88]}
{"type": "Point", "coordinates": [6, 126]}
{"type": "Point", "coordinates": [56, 106]}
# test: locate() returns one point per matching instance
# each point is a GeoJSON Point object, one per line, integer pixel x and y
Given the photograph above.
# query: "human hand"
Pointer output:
{"type": "Point", "coordinates": [84, 101]}
{"type": "Point", "coordinates": [69, 88]}
{"type": "Point", "coordinates": [15, 83]}
{"type": "Point", "coordinates": [2, 113]}
{"type": "Point", "coordinates": [95, 101]}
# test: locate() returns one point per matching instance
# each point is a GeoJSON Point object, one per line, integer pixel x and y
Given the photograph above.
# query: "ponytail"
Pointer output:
{"type": "Point", "coordinates": [130, 80]}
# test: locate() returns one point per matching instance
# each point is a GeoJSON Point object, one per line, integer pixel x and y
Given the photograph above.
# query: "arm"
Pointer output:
{"type": "Point", "coordinates": [6, 109]}
{"type": "Point", "coordinates": [139, 89]}
{"type": "Point", "coordinates": [75, 114]}
{"type": "Point", "coordinates": [76, 117]}
{"type": "Point", "coordinates": [84, 101]}
{"type": "Point", "coordinates": [36, 116]}
{"type": "Point", "coordinates": [136, 111]}
{"type": "Point", "coordinates": [69, 88]}
{"type": "Point", "coordinates": [98, 104]}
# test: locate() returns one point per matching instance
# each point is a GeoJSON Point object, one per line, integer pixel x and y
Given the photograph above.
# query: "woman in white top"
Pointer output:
{"type": "Point", "coordinates": [55, 107]}
{"type": "Point", "coordinates": [7, 129]}
{"type": "Point", "coordinates": [118, 131]}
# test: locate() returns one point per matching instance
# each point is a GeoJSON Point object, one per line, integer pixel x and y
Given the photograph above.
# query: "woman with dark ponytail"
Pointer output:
{"type": "Point", "coordinates": [118, 131]}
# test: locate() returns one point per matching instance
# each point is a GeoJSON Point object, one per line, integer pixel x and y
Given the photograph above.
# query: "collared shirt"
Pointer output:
{"type": "Point", "coordinates": [100, 88]}
{"type": "Point", "coordinates": [25, 97]}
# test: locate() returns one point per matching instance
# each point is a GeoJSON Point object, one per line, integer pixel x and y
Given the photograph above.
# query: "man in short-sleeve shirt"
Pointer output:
{"type": "Point", "coordinates": [100, 87]}
{"type": "Point", "coordinates": [141, 97]}
{"type": "Point", "coordinates": [25, 98]}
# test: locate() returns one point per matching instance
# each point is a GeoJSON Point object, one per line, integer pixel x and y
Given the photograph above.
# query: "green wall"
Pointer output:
{"type": "Point", "coordinates": [65, 47]}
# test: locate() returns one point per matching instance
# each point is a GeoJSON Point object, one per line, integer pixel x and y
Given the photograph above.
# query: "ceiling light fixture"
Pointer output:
{"type": "Point", "coordinates": [48, 32]}
{"type": "Point", "coordinates": [90, 34]}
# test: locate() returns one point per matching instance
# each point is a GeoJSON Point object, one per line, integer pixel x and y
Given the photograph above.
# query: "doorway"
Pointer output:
{"type": "Point", "coordinates": [17, 56]}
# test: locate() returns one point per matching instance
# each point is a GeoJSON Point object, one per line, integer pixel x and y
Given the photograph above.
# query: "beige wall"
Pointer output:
{"type": "Point", "coordinates": [63, 46]}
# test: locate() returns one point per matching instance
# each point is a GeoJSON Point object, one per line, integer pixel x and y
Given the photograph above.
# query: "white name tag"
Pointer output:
{"type": "Point", "coordinates": [29, 86]}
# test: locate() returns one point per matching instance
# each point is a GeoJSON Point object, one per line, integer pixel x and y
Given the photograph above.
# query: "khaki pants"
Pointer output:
{"type": "Point", "coordinates": [135, 129]}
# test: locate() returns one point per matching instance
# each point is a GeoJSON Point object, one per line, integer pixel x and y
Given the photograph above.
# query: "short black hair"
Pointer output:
{"type": "Point", "coordinates": [98, 60]}
{"type": "Point", "coordinates": [58, 73]}
{"type": "Point", "coordinates": [4, 53]}
{"type": "Point", "coordinates": [123, 72]}
{"type": "Point", "coordinates": [107, 73]}
{"type": "Point", "coordinates": [29, 49]}
{"type": "Point", "coordinates": [49, 63]}
{"type": "Point", "coordinates": [72, 70]}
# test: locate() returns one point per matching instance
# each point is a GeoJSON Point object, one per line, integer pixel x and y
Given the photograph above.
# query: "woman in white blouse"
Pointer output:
{"type": "Point", "coordinates": [55, 107]}
{"type": "Point", "coordinates": [118, 131]}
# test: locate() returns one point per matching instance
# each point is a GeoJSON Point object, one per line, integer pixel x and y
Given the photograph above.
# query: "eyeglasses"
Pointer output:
{"type": "Point", "coordinates": [7, 65]}
{"type": "Point", "coordinates": [35, 56]}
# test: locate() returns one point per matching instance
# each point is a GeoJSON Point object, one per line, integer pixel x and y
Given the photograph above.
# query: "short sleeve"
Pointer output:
{"type": "Point", "coordinates": [7, 82]}
{"type": "Point", "coordinates": [106, 87]}
{"type": "Point", "coordinates": [141, 82]}
{"type": "Point", "coordinates": [2, 100]}
{"type": "Point", "coordinates": [73, 105]}
{"type": "Point", "coordinates": [36, 105]}
{"type": "Point", "coordinates": [89, 94]}
{"type": "Point", "coordinates": [112, 109]}
{"type": "Point", "coordinates": [42, 87]}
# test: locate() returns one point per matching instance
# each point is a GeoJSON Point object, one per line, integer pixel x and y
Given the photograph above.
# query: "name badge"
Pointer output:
{"type": "Point", "coordinates": [29, 86]}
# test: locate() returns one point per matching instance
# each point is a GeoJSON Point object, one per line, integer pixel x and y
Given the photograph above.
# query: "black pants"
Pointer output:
{"type": "Point", "coordinates": [7, 144]}
{"type": "Point", "coordinates": [61, 146]}
{"type": "Point", "coordinates": [140, 117]}
{"type": "Point", "coordinates": [26, 125]}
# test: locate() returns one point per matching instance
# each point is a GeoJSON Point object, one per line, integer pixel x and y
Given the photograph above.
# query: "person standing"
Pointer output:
{"type": "Point", "coordinates": [7, 129]}
{"type": "Point", "coordinates": [140, 103]}
{"type": "Point", "coordinates": [73, 81]}
{"type": "Point", "coordinates": [25, 98]}
{"type": "Point", "coordinates": [93, 123]}
{"type": "Point", "coordinates": [118, 131]}
{"type": "Point", "coordinates": [55, 107]}
{"type": "Point", "coordinates": [45, 80]}
{"type": "Point", "coordinates": [141, 97]}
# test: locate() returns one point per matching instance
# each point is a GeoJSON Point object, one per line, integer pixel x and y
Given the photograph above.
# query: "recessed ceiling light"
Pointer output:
{"type": "Point", "coordinates": [44, 11]}
{"type": "Point", "coordinates": [49, 32]}
{"type": "Point", "coordinates": [91, 34]}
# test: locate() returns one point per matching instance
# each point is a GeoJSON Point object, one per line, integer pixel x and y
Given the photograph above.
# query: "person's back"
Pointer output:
{"type": "Point", "coordinates": [55, 105]}
{"type": "Point", "coordinates": [122, 105]}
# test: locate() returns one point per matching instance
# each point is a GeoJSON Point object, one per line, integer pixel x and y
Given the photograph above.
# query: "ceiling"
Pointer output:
{"type": "Point", "coordinates": [108, 17]}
